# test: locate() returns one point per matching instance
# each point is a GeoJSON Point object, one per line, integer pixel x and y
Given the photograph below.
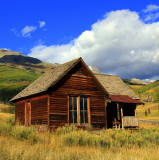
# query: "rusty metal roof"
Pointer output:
{"type": "Point", "coordinates": [124, 99]}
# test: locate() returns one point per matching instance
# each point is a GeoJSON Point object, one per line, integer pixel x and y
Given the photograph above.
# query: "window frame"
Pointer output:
{"type": "Point", "coordinates": [78, 109]}
{"type": "Point", "coordinates": [72, 109]}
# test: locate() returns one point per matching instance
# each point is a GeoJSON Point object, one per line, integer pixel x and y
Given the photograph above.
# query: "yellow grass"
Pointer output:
{"type": "Point", "coordinates": [154, 115]}
{"type": "Point", "coordinates": [148, 125]}
{"type": "Point", "coordinates": [12, 149]}
{"type": "Point", "coordinates": [52, 148]}
{"type": "Point", "coordinates": [4, 117]}
{"type": "Point", "coordinates": [135, 86]}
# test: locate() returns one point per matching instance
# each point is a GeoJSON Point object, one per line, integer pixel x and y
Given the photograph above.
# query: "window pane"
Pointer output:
{"type": "Point", "coordinates": [86, 117]}
{"type": "Point", "coordinates": [70, 117]}
{"type": "Point", "coordinates": [70, 103]}
{"type": "Point", "coordinates": [85, 103]}
{"type": "Point", "coordinates": [81, 103]}
{"type": "Point", "coordinates": [81, 117]}
{"type": "Point", "coordinates": [75, 116]}
{"type": "Point", "coordinates": [75, 103]}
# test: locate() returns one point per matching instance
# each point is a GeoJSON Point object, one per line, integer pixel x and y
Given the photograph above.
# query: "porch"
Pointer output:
{"type": "Point", "coordinates": [127, 122]}
{"type": "Point", "coordinates": [122, 115]}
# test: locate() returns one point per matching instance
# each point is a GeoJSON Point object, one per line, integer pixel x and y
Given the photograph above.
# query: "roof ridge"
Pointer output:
{"type": "Point", "coordinates": [52, 76]}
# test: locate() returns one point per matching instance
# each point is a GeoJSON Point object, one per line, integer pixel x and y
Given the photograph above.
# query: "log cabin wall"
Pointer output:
{"type": "Point", "coordinates": [20, 112]}
{"type": "Point", "coordinates": [39, 110]}
{"type": "Point", "coordinates": [77, 82]}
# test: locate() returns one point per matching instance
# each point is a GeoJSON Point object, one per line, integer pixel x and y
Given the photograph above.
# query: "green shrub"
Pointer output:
{"type": "Point", "coordinates": [11, 109]}
{"type": "Point", "coordinates": [146, 114]}
{"type": "Point", "coordinates": [88, 127]}
{"type": "Point", "coordinates": [149, 111]}
{"type": "Point", "coordinates": [11, 121]}
{"type": "Point", "coordinates": [5, 129]}
{"type": "Point", "coordinates": [111, 138]}
{"type": "Point", "coordinates": [25, 133]}
{"type": "Point", "coordinates": [84, 138]}
{"type": "Point", "coordinates": [65, 129]}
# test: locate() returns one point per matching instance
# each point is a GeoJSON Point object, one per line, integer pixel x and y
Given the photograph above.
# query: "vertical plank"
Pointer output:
{"type": "Point", "coordinates": [68, 108]}
{"type": "Point", "coordinates": [89, 114]}
{"type": "Point", "coordinates": [48, 109]}
{"type": "Point", "coordinates": [25, 113]}
{"type": "Point", "coordinates": [135, 110]}
{"type": "Point", "coordinates": [122, 118]}
{"type": "Point", "coordinates": [106, 114]}
{"type": "Point", "coordinates": [29, 113]}
{"type": "Point", "coordinates": [78, 110]}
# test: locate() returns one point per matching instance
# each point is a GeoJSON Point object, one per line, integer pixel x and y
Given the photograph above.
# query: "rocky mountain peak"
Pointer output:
{"type": "Point", "coordinates": [4, 52]}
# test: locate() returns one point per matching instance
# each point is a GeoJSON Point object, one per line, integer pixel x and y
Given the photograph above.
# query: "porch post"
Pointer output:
{"type": "Point", "coordinates": [135, 110]}
{"type": "Point", "coordinates": [122, 118]}
{"type": "Point", "coordinates": [48, 111]}
{"type": "Point", "coordinates": [106, 113]}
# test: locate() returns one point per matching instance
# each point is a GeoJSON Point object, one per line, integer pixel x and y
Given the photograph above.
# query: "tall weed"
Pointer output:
{"type": "Point", "coordinates": [111, 138]}
{"type": "Point", "coordinates": [25, 133]}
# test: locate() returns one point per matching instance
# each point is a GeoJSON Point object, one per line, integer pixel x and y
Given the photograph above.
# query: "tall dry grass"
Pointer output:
{"type": "Point", "coordinates": [13, 149]}
{"type": "Point", "coordinates": [69, 143]}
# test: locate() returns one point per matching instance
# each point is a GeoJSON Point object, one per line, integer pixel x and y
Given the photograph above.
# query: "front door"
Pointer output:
{"type": "Point", "coordinates": [27, 113]}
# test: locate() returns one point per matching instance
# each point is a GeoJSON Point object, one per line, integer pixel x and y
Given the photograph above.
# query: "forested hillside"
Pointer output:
{"type": "Point", "coordinates": [149, 92]}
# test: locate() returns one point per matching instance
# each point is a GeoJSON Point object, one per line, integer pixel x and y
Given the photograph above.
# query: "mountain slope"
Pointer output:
{"type": "Point", "coordinates": [149, 92]}
{"type": "Point", "coordinates": [20, 61]}
{"type": "Point", "coordinates": [13, 80]}
{"type": "Point", "coordinates": [17, 71]}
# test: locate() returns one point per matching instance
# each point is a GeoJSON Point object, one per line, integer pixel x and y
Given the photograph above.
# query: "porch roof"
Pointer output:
{"type": "Point", "coordinates": [124, 99]}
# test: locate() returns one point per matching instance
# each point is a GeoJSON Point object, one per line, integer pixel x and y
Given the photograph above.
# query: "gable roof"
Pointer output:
{"type": "Point", "coordinates": [46, 80]}
{"type": "Point", "coordinates": [115, 86]}
{"type": "Point", "coordinates": [50, 78]}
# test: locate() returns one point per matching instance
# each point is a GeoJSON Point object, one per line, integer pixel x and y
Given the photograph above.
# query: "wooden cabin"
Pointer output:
{"type": "Point", "coordinates": [121, 111]}
{"type": "Point", "coordinates": [71, 94]}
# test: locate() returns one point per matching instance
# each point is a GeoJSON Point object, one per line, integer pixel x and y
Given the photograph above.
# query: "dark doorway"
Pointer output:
{"type": "Point", "coordinates": [113, 114]}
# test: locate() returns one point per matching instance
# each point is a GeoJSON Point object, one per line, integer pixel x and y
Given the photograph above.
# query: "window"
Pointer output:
{"type": "Point", "coordinates": [73, 110]}
{"type": "Point", "coordinates": [83, 110]}
{"type": "Point", "coordinates": [78, 110]}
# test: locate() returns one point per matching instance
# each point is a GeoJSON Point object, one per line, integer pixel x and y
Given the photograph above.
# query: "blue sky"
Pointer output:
{"type": "Point", "coordinates": [117, 36]}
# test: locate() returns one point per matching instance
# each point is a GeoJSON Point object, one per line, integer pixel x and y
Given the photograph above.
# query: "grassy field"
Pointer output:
{"type": "Point", "coordinates": [13, 80]}
{"type": "Point", "coordinates": [135, 87]}
{"type": "Point", "coordinates": [152, 110]}
{"type": "Point", "coordinates": [68, 143]}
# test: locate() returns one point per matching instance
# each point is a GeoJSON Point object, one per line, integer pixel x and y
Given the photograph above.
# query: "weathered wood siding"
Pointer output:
{"type": "Point", "coordinates": [130, 121]}
{"type": "Point", "coordinates": [20, 112]}
{"type": "Point", "coordinates": [39, 110]}
{"type": "Point", "coordinates": [79, 82]}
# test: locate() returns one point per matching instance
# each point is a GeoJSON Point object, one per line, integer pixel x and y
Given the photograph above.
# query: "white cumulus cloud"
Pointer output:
{"type": "Point", "coordinates": [119, 44]}
{"type": "Point", "coordinates": [42, 24]}
{"type": "Point", "coordinates": [27, 30]}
